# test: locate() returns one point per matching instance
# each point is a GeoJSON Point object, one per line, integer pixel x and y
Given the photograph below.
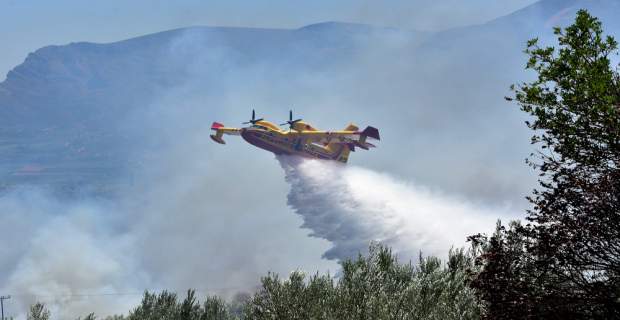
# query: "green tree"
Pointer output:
{"type": "Point", "coordinates": [214, 308]}
{"type": "Point", "coordinates": [292, 298]}
{"type": "Point", "coordinates": [155, 307]}
{"type": "Point", "coordinates": [38, 311]}
{"type": "Point", "coordinates": [165, 306]}
{"type": "Point", "coordinates": [376, 286]}
{"type": "Point", "coordinates": [91, 316]}
{"type": "Point", "coordinates": [565, 263]}
{"type": "Point", "coordinates": [372, 287]}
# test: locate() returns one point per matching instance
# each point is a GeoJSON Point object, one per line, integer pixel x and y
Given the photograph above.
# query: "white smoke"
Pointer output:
{"type": "Point", "coordinates": [351, 206]}
{"type": "Point", "coordinates": [181, 228]}
{"type": "Point", "coordinates": [216, 219]}
{"type": "Point", "coordinates": [94, 255]}
{"type": "Point", "coordinates": [98, 255]}
{"type": "Point", "coordinates": [62, 252]}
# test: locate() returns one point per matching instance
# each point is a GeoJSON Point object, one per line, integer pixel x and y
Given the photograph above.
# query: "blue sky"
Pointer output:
{"type": "Point", "coordinates": [30, 24]}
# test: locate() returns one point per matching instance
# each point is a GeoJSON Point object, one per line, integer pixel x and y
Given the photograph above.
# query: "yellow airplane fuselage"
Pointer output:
{"type": "Point", "coordinates": [265, 136]}
{"type": "Point", "coordinates": [301, 140]}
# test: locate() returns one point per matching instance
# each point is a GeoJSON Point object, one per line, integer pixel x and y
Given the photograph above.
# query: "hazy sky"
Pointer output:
{"type": "Point", "coordinates": [31, 24]}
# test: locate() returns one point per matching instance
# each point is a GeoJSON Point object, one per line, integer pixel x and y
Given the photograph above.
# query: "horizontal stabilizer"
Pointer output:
{"type": "Point", "coordinates": [355, 143]}
{"type": "Point", "coordinates": [364, 145]}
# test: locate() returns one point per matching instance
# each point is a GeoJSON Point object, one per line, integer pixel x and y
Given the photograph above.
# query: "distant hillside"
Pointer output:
{"type": "Point", "coordinates": [64, 111]}
{"type": "Point", "coordinates": [57, 84]}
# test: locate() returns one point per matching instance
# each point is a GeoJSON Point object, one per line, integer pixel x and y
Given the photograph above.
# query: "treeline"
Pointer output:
{"type": "Point", "coordinates": [562, 262]}
{"type": "Point", "coordinates": [377, 286]}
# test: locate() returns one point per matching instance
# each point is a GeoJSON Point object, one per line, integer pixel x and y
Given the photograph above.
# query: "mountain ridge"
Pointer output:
{"type": "Point", "coordinates": [67, 107]}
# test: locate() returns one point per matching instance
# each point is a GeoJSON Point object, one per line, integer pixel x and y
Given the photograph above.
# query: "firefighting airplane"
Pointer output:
{"type": "Point", "coordinates": [301, 139]}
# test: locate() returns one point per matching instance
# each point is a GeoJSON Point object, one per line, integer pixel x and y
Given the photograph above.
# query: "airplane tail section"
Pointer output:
{"type": "Point", "coordinates": [220, 130]}
{"type": "Point", "coordinates": [217, 137]}
{"type": "Point", "coordinates": [371, 132]}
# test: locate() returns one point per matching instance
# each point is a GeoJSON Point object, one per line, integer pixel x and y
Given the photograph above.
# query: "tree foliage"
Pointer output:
{"type": "Point", "coordinates": [372, 287]}
{"type": "Point", "coordinates": [38, 311]}
{"type": "Point", "coordinates": [565, 263]}
{"type": "Point", "coordinates": [165, 306]}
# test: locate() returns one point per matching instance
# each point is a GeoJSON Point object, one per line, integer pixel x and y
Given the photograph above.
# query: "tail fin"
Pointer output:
{"type": "Point", "coordinates": [217, 137]}
{"type": "Point", "coordinates": [371, 132]}
{"type": "Point", "coordinates": [216, 125]}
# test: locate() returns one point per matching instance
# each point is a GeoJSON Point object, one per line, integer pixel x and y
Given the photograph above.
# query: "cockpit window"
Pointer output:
{"type": "Point", "coordinates": [259, 127]}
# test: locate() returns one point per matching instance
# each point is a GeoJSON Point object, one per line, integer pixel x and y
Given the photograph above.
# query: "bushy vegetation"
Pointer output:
{"type": "Point", "coordinates": [167, 306]}
{"type": "Point", "coordinates": [373, 287]}
{"type": "Point", "coordinates": [38, 311]}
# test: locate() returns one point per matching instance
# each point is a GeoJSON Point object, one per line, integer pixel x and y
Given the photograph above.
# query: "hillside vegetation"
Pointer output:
{"type": "Point", "coordinates": [374, 287]}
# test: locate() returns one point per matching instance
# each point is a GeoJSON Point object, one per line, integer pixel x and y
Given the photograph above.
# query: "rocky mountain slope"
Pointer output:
{"type": "Point", "coordinates": [73, 114]}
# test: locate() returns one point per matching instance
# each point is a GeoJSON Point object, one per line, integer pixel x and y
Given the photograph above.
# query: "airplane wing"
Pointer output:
{"type": "Point", "coordinates": [357, 138]}
{"type": "Point", "coordinates": [220, 130]}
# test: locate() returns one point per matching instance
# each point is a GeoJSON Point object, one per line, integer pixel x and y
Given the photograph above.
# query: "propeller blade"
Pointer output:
{"type": "Point", "coordinates": [290, 121]}
{"type": "Point", "coordinates": [253, 120]}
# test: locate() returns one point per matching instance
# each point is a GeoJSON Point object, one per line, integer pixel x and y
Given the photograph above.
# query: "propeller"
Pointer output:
{"type": "Point", "coordinates": [290, 121]}
{"type": "Point", "coordinates": [253, 120]}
